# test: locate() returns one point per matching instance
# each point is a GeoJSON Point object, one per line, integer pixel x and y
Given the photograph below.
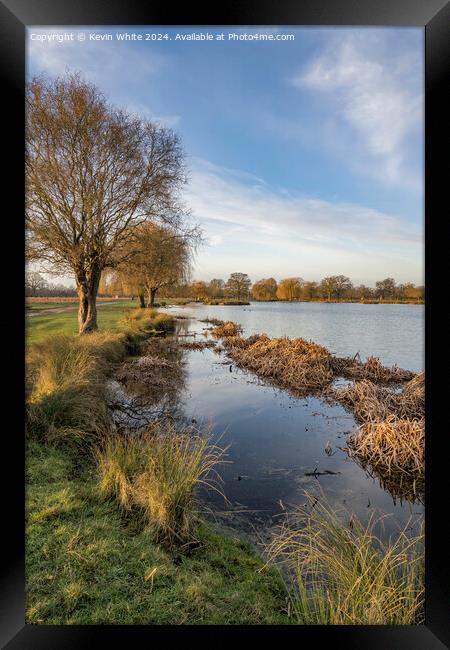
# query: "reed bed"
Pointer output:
{"type": "Point", "coordinates": [151, 371]}
{"type": "Point", "coordinates": [226, 329]}
{"type": "Point", "coordinates": [340, 573]}
{"type": "Point", "coordinates": [297, 364]}
{"type": "Point", "coordinates": [373, 370]}
{"type": "Point", "coordinates": [197, 345]}
{"type": "Point", "coordinates": [371, 402]}
{"type": "Point", "coordinates": [156, 474]}
{"type": "Point", "coordinates": [392, 447]}
{"type": "Point", "coordinates": [390, 441]}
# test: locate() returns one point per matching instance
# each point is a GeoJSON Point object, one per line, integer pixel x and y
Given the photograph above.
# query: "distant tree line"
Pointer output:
{"type": "Point", "coordinates": [37, 286]}
{"type": "Point", "coordinates": [330, 288]}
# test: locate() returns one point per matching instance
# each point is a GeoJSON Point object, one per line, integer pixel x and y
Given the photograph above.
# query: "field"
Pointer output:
{"type": "Point", "coordinates": [39, 327]}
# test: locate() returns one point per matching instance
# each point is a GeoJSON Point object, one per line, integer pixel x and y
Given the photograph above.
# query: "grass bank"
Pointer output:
{"type": "Point", "coordinates": [89, 562]}
{"type": "Point", "coordinates": [114, 533]}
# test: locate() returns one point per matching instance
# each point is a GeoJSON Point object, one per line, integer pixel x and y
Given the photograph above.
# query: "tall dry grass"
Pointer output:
{"type": "Point", "coordinates": [390, 443]}
{"type": "Point", "coordinates": [295, 363]}
{"type": "Point", "coordinates": [147, 320]}
{"type": "Point", "coordinates": [341, 573]}
{"type": "Point", "coordinates": [157, 473]}
{"type": "Point", "coordinates": [66, 385]}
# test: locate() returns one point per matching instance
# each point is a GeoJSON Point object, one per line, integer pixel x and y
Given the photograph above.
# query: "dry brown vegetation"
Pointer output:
{"type": "Point", "coordinates": [394, 450]}
{"type": "Point", "coordinates": [373, 370]}
{"type": "Point", "coordinates": [371, 402]}
{"type": "Point", "coordinates": [157, 473]}
{"type": "Point", "coordinates": [390, 442]}
{"type": "Point", "coordinates": [226, 329]}
{"type": "Point", "coordinates": [197, 345]}
{"type": "Point", "coordinates": [296, 364]}
{"type": "Point", "coordinates": [151, 371]}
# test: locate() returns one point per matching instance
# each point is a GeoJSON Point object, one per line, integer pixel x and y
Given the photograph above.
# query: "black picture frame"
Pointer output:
{"type": "Point", "coordinates": [434, 17]}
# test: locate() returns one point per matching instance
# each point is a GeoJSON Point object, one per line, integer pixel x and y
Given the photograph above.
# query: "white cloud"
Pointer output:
{"type": "Point", "coordinates": [102, 61]}
{"type": "Point", "coordinates": [379, 97]}
{"type": "Point", "coordinates": [272, 231]}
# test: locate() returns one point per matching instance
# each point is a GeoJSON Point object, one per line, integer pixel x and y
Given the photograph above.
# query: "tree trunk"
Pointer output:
{"type": "Point", "coordinates": [152, 297]}
{"type": "Point", "coordinates": [141, 301]}
{"type": "Point", "coordinates": [87, 289]}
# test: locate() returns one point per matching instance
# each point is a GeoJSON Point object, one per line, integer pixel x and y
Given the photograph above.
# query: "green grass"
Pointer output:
{"type": "Point", "coordinates": [89, 564]}
{"type": "Point", "coordinates": [40, 327]}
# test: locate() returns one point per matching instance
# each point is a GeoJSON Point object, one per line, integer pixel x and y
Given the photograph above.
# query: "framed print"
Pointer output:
{"type": "Point", "coordinates": [230, 366]}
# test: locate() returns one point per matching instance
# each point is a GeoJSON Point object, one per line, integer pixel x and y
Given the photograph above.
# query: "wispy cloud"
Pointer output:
{"type": "Point", "coordinates": [378, 96]}
{"type": "Point", "coordinates": [104, 62]}
{"type": "Point", "coordinates": [280, 230]}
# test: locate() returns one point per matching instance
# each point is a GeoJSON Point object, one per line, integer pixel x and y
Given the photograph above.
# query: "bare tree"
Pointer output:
{"type": "Point", "coordinates": [385, 288]}
{"type": "Point", "coordinates": [238, 285]}
{"type": "Point", "coordinates": [265, 289]}
{"type": "Point", "coordinates": [92, 171]}
{"type": "Point", "coordinates": [290, 289]}
{"type": "Point", "coordinates": [160, 256]}
{"type": "Point", "coordinates": [34, 282]}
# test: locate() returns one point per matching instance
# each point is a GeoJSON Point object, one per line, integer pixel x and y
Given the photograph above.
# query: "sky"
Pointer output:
{"type": "Point", "coordinates": [305, 154]}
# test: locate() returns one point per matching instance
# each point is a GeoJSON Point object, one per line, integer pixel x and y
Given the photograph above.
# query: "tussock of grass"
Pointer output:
{"type": "Point", "coordinates": [344, 575]}
{"type": "Point", "coordinates": [157, 473]}
{"type": "Point", "coordinates": [66, 386]}
{"type": "Point", "coordinates": [394, 449]}
{"type": "Point", "coordinates": [148, 320]}
{"type": "Point", "coordinates": [371, 402]}
{"type": "Point", "coordinates": [226, 329]}
{"type": "Point", "coordinates": [373, 370]}
{"type": "Point", "coordinates": [390, 443]}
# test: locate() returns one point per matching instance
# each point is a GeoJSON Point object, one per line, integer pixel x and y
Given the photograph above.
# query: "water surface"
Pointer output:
{"type": "Point", "coordinates": [394, 333]}
{"type": "Point", "coordinates": [277, 441]}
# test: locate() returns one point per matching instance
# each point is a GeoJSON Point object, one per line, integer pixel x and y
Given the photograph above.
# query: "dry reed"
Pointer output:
{"type": "Point", "coordinates": [393, 446]}
{"type": "Point", "coordinates": [226, 329]}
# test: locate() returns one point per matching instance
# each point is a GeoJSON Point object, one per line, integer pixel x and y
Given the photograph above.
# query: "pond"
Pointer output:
{"type": "Point", "coordinates": [281, 445]}
{"type": "Point", "coordinates": [394, 333]}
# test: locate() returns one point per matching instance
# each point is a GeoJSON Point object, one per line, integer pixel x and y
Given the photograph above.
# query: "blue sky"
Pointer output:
{"type": "Point", "coordinates": [305, 155]}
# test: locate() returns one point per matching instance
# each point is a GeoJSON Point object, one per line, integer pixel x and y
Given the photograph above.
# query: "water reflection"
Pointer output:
{"type": "Point", "coordinates": [280, 444]}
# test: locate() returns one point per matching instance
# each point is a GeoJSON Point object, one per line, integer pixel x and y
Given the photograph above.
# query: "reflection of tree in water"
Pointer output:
{"type": "Point", "coordinates": [150, 387]}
